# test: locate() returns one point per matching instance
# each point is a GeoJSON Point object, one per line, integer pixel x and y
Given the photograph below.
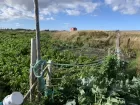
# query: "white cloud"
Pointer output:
{"type": "Point", "coordinates": [73, 12]}
{"type": "Point", "coordinates": [14, 9]}
{"type": "Point", "coordinates": [115, 8]}
{"type": "Point", "coordinates": [50, 18]}
{"type": "Point", "coordinates": [89, 6]}
{"type": "Point", "coordinates": [125, 6]}
{"type": "Point", "coordinates": [9, 13]}
{"type": "Point", "coordinates": [18, 24]}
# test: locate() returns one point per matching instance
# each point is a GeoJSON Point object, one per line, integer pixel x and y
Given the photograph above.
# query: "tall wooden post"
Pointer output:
{"type": "Point", "coordinates": [37, 29]}
{"type": "Point", "coordinates": [33, 61]}
{"type": "Point", "coordinates": [36, 9]}
{"type": "Point", "coordinates": [118, 45]}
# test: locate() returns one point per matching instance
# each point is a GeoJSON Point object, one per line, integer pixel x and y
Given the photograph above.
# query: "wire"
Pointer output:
{"type": "Point", "coordinates": [82, 65]}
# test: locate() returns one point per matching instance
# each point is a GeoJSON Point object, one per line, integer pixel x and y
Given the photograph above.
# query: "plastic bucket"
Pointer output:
{"type": "Point", "coordinates": [16, 98]}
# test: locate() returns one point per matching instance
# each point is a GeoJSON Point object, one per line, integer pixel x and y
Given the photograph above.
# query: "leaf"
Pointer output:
{"type": "Point", "coordinates": [82, 92]}
{"type": "Point", "coordinates": [114, 100]}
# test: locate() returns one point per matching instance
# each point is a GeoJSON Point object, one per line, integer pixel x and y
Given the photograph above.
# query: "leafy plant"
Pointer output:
{"type": "Point", "coordinates": [103, 83]}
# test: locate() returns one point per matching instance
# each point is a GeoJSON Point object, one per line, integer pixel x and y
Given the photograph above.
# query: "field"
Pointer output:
{"type": "Point", "coordinates": [106, 82]}
{"type": "Point", "coordinates": [95, 38]}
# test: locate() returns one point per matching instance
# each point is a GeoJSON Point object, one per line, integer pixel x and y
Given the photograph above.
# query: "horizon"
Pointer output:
{"type": "Point", "coordinates": [59, 30]}
{"type": "Point", "coordinates": [62, 15]}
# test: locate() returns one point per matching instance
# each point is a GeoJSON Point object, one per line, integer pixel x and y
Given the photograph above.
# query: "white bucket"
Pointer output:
{"type": "Point", "coordinates": [16, 98]}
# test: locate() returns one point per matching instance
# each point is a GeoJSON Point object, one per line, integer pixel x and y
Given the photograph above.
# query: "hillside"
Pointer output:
{"type": "Point", "coordinates": [101, 39]}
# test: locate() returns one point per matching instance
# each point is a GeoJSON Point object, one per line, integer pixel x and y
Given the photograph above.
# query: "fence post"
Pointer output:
{"type": "Point", "coordinates": [29, 91]}
{"type": "Point", "coordinates": [118, 45]}
{"type": "Point", "coordinates": [49, 72]}
{"type": "Point", "coordinates": [32, 62]}
{"type": "Point", "coordinates": [36, 10]}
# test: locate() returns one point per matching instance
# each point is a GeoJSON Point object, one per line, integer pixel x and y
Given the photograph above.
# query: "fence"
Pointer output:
{"type": "Point", "coordinates": [35, 76]}
{"type": "Point", "coordinates": [38, 67]}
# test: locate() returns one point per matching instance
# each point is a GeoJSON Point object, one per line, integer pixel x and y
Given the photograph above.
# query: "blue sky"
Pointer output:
{"type": "Point", "coordinates": [63, 14]}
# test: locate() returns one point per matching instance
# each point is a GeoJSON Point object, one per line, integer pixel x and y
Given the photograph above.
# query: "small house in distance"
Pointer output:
{"type": "Point", "coordinates": [73, 29]}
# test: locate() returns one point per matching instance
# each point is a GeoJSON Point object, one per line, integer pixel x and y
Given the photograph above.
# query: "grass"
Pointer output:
{"type": "Point", "coordinates": [128, 38]}
{"type": "Point", "coordinates": [59, 52]}
{"type": "Point", "coordinates": [129, 41]}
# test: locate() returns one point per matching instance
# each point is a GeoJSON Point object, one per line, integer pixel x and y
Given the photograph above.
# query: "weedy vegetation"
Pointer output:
{"type": "Point", "coordinates": [110, 82]}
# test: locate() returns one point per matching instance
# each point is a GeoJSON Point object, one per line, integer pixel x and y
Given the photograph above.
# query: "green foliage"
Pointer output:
{"type": "Point", "coordinates": [14, 62]}
{"type": "Point", "coordinates": [112, 86]}
{"type": "Point", "coordinates": [108, 83]}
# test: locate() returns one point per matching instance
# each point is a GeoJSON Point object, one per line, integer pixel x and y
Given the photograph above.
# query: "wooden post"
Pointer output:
{"type": "Point", "coordinates": [37, 29]}
{"type": "Point", "coordinates": [118, 45]}
{"type": "Point", "coordinates": [48, 77]}
{"type": "Point", "coordinates": [29, 91]}
{"type": "Point", "coordinates": [49, 72]}
{"type": "Point", "coordinates": [33, 61]}
{"type": "Point", "coordinates": [36, 9]}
